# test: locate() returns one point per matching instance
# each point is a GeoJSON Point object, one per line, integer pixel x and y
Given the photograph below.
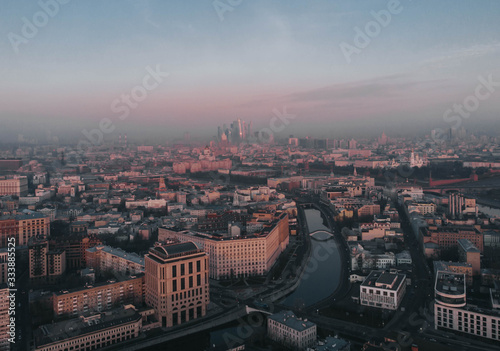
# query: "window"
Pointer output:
{"type": "Point", "coordinates": [174, 271]}
{"type": "Point", "coordinates": [174, 285]}
{"type": "Point", "coordinates": [198, 266]}
{"type": "Point", "coordinates": [190, 267]}
{"type": "Point", "coordinates": [182, 269]}
{"type": "Point", "coordinates": [183, 285]}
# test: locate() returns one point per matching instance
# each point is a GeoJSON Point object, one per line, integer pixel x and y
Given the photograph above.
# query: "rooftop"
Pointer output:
{"type": "Point", "coordinates": [133, 257]}
{"type": "Point", "coordinates": [467, 246]}
{"type": "Point", "coordinates": [384, 280]}
{"type": "Point", "coordinates": [87, 323]}
{"type": "Point", "coordinates": [174, 250]}
{"type": "Point", "coordinates": [289, 319]}
{"type": "Point", "coordinates": [332, 344]}
{"type": "Point", "coordinates": [450, 283]}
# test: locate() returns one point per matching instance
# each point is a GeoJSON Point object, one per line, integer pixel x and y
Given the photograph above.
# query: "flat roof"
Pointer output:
{"type": "Point", "coordinates": [450, 283]}
{"type": "Point", "coordinates": [129, 256]}
{"type": "Point", "coordinates": [85, 324]}
{"type": "Point", "coordinates": [384, 280]}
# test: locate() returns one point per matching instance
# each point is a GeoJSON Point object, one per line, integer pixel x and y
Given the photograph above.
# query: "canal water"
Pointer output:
{"type": "Point", "coordinates": [322, 272]}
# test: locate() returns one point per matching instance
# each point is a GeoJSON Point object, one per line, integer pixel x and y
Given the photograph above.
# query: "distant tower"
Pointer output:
{"type": "Point", "coordinates": [125, 140]}
{"type": "Point", "coordinates": [162, 183]}
{"type": "Point", "coordinates": [120, 139]}
{"type": "Point", "coordinates": [355, 172]}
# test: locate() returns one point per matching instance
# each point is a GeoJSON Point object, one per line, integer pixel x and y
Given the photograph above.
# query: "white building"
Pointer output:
{"type": "Point", "coordinates": [291, 331]}
{"type": "Point", "coordinates": [451, 310]}
{"type": "Point", "coordinates": [383, 290]}
{"type": "Point", "coordinates": [403, 257]}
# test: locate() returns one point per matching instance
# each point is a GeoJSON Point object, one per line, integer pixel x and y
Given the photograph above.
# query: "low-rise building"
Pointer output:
{"type": "Point", "coordinates": [235, 256]}
{"type": "Point", "coordinates": [470, 254]}
{"type": "Point", "coordinates": [383, 290]}
{"type": "Point", "coordinates": [453, 312]}
{"type": "Point", "coordinates": [291, 331]}
{"type": "Point", "coordinates": [106, 258]}
{"type": "Point", "coordinates": [89, 331]}
{"type": "Point", "coordinates": [99, 297]}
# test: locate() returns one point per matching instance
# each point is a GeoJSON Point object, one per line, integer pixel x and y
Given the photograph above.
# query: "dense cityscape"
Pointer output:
{"type": "Point", "coordinates": [294, 243]}
{"type": "Point", "coordinates": [231, 175]}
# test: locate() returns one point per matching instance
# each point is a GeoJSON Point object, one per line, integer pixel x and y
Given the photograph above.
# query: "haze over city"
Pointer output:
{"type": "Point", "coordinates": [236, 175]}
{"type": "Point", "coordinates": [243, 61]}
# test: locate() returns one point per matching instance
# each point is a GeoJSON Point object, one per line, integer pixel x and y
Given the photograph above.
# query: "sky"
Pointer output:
{"type": "Point", "coordinates": [63, 68]}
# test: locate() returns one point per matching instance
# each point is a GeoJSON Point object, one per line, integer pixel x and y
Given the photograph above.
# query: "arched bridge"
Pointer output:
{"type": "Point", "coordinates": [321, 234]}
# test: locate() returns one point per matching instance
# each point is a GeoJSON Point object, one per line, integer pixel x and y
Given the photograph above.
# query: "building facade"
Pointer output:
{"type": "Point", "coordinates": [15, 186]}
{"type": "Point", "coordinates": [23, 227]}
{"type": "Point", "coordinates": [89, 331]}
{"type": "Point", "coordinates": [106, 258]}
{"type": "Point", "coordinates": [291, 331]}
{"type": "Point", "coordinates": [452, 312]}
{"type": "Point", "coordinates": [177, 285]}
{"type": "Point", "coordinates": [238, 256]}
{"type": "Point", "coordinates": [383, 290]}
{"type": "Point", "coordinates": [100, 297]}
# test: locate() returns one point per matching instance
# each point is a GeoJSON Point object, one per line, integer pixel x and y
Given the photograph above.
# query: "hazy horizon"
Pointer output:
{"type": "Point", "coordinates": [244, 62]}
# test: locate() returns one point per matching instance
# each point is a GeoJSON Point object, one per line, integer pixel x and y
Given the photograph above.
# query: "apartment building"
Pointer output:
{"type": "Point", "coordinates": [177, 284]}
{"type": "Point", "coordinates": [448, 236]}
{"type": "Point", "coordinates": [89, 331]}
{"type": "Point", "coordinates": [291, 331]}
{"type": "Point", "coordinates": [76, 246]}
{"type": "Point", "coordinates": [23, 227]}
{"type": "Point", "coordinates": [14, 186]}
{"type": "Point", "coordinates": [106, 258]}
{"type": "Point", "coordinates": [235, 256]}
{"type": "Point", "coordinates": [422, 207]}
{"type": "Point", "coordinates": [100, 297]}
{"type": "Point", "coordinates": [38, 248]}
{"type": "Point", "coordinates": [383, 290]}
{"type": "Point", "coordinates": [467, 252]}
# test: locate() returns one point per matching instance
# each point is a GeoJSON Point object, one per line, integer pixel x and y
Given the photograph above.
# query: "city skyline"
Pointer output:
{"type": "Point", "coordinates": [246, 60]}
{"type": "Point", "coordinates": [227, 175]}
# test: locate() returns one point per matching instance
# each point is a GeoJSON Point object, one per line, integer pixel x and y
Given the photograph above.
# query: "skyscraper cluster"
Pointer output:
{"type": "Point", "coordinates": [237, 132]}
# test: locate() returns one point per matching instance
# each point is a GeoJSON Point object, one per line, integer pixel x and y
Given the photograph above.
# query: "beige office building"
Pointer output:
{"type": "Point", "coordinates": [177, 284]}
{"type": "Point", "coordinates": [15, 186]}
{"type": "Point", "coordinates": [238, 256]}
